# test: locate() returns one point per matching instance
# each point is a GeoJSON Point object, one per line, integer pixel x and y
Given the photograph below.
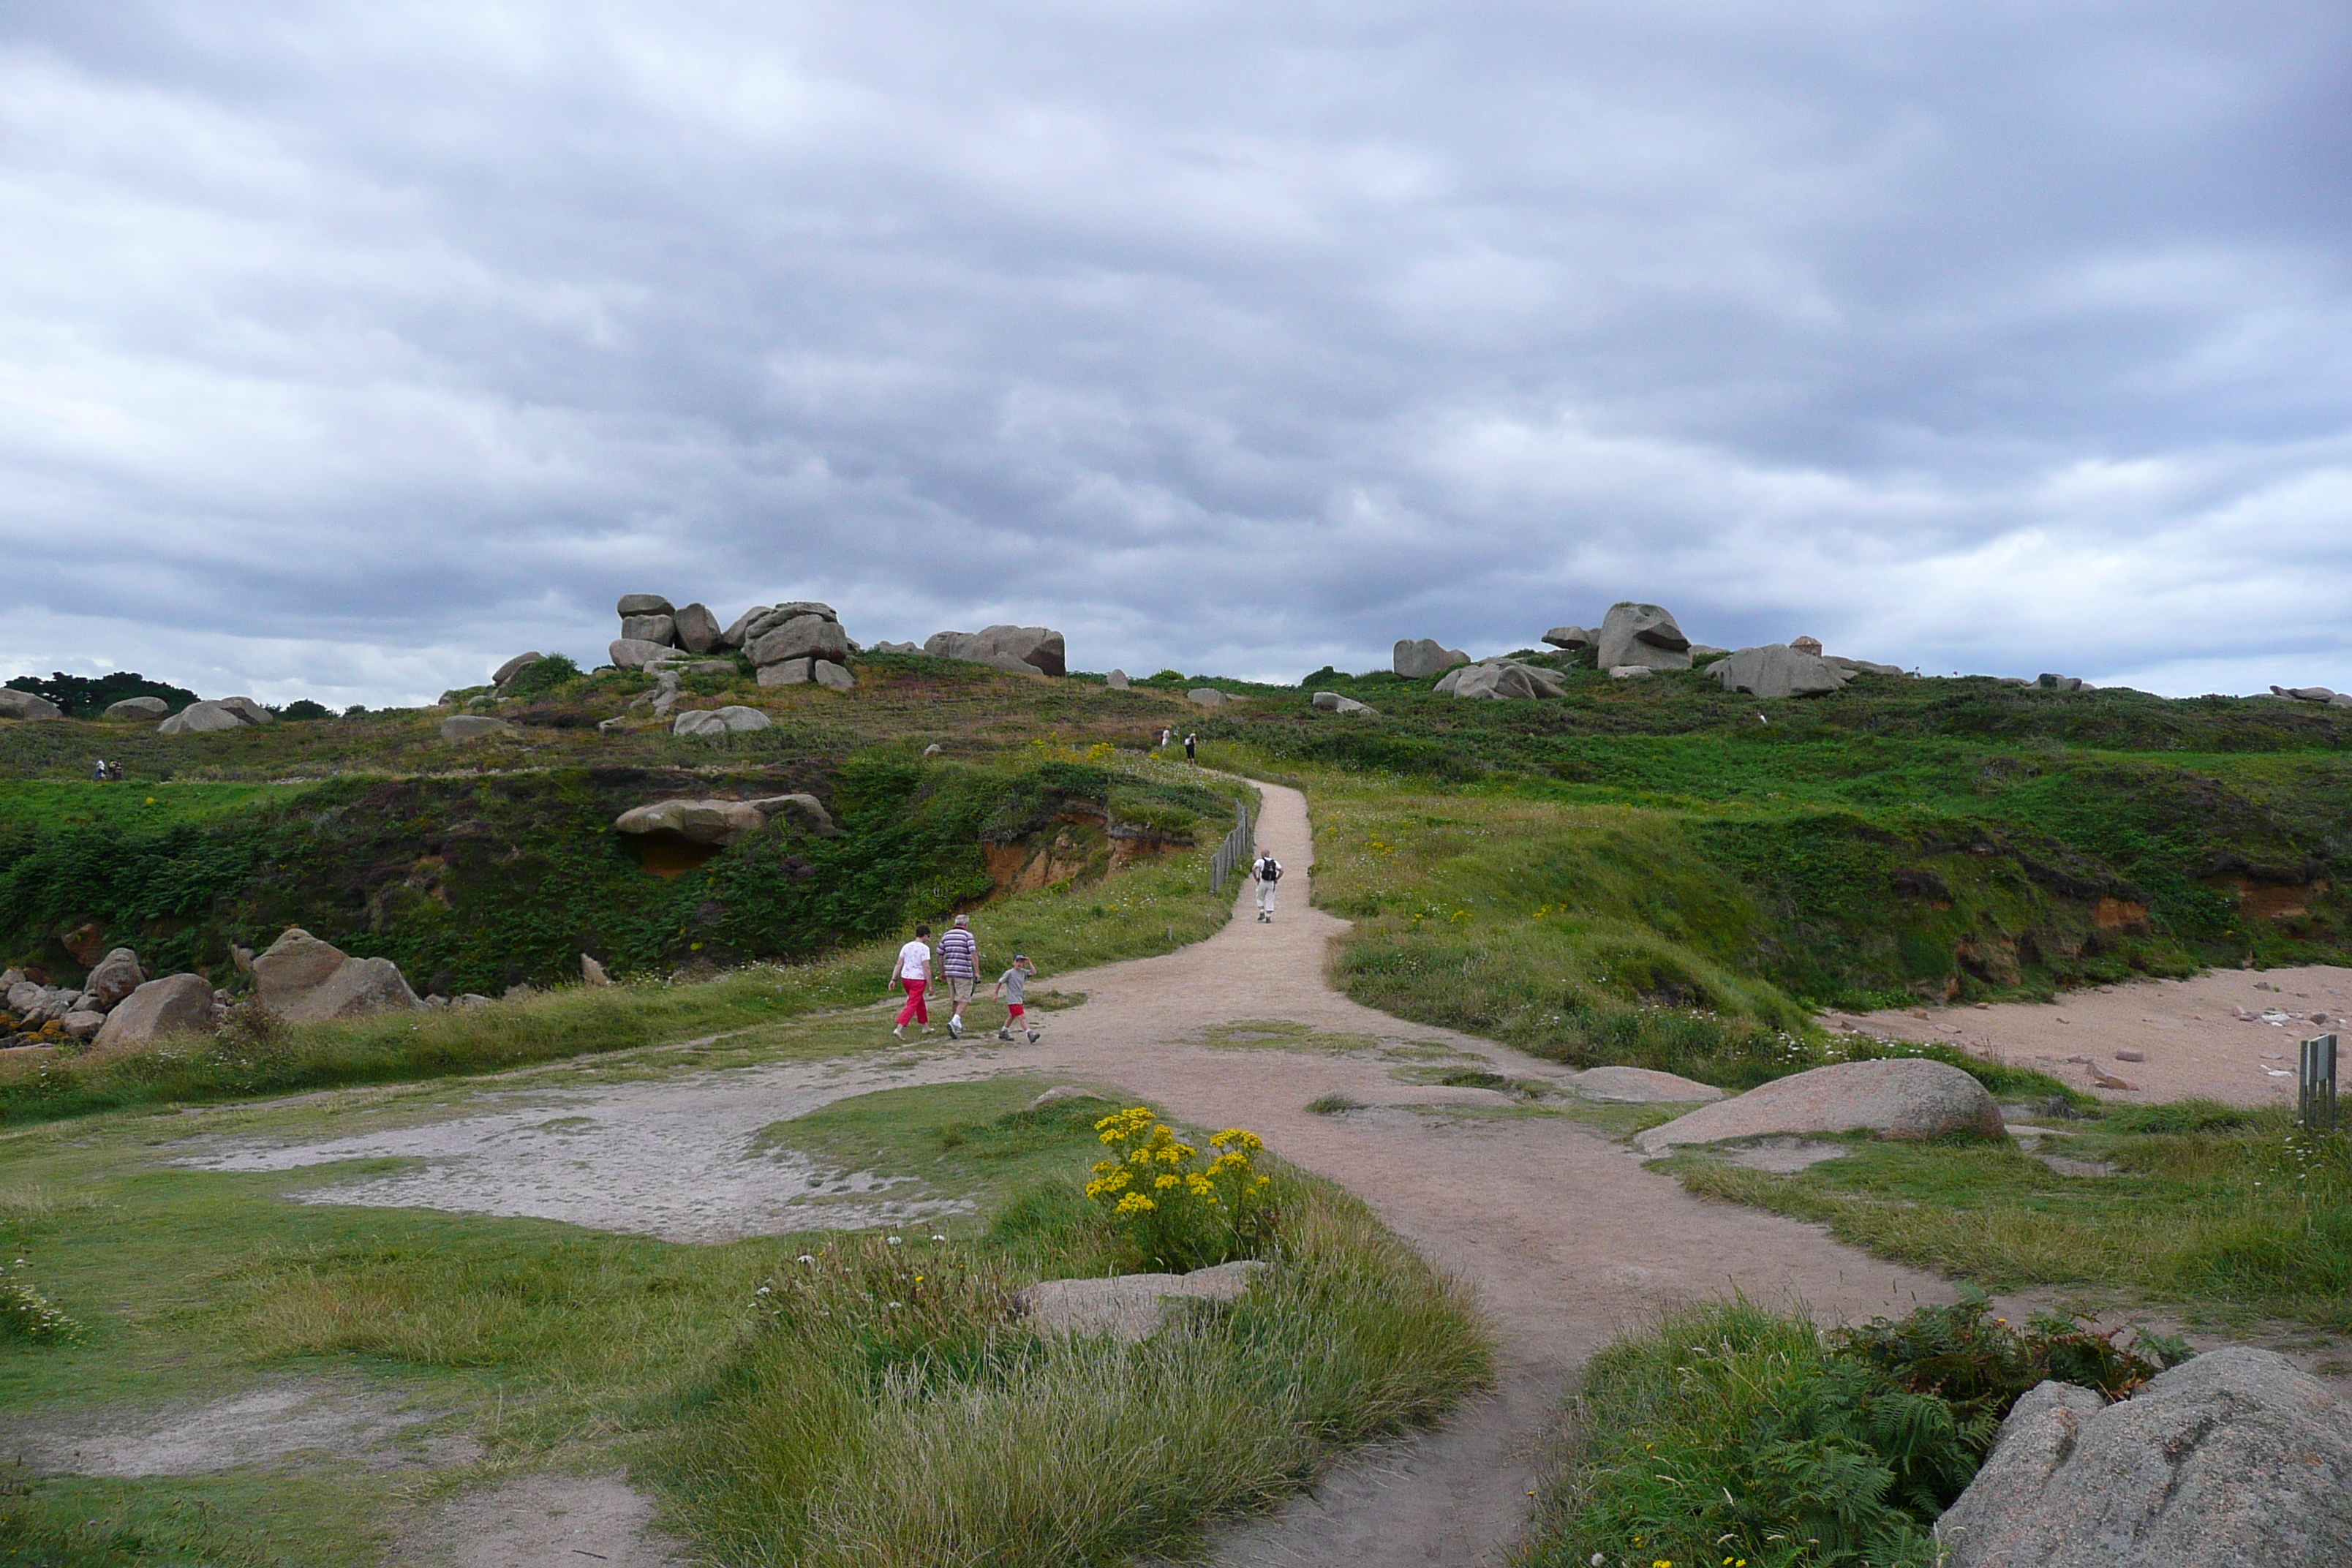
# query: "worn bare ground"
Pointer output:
{"type": "Point", "coordinates": [2229, 1035]}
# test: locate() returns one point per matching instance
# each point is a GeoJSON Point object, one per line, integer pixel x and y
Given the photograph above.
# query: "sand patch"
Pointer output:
{"type": "Point", "coordinates": [370, 1427]}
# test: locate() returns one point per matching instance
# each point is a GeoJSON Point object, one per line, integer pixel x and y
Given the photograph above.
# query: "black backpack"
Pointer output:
{"type": "Point", "coordinates": [1268, 863]}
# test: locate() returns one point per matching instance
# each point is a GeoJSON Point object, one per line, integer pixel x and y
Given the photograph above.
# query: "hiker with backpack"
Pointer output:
{"type": "Point", "coordinates": [1265, 873]}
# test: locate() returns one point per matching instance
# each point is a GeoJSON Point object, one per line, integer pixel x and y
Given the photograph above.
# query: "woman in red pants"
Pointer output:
{"type": "Point", "coordinates": [913, 971]}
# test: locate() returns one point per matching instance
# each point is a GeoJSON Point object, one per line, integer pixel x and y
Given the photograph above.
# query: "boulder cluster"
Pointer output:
{"type": "Point", "coordinates": [1632, 640]}
{"type": "Point", "coordinates": [204, 718]}
{"type": "Point", "coordinates": [789, 644]}
{"type": "Point", "coordinates": [37, 1013]}
{"type": "Point", "coordinates": [722, 822]}
{"type": "Point", "coordinates": [2319, 694]}
{"type": "Point", "coordinates": [299, 979]}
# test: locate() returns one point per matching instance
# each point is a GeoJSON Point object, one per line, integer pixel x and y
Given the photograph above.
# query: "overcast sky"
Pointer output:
{"type": "Point", "coordinates": [347, 348]}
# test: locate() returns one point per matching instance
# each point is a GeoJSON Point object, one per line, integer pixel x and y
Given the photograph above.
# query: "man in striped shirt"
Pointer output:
{"type": "Point", "coordinates": [960, 962]}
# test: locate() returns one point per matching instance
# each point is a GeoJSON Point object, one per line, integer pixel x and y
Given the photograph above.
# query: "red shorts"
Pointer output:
{"type": "Point", "coordinates": [1013, 1009]}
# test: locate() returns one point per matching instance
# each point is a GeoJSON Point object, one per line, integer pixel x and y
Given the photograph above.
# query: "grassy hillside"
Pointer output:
{"type": "Point", "coordinates": [1653, 871]}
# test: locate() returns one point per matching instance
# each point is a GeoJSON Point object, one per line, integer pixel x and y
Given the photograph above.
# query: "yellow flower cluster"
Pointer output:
{"type": "Point", "coordinates": [1154, 1166]}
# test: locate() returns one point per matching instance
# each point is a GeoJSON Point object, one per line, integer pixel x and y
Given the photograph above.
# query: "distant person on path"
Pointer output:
{"type": "Point", "coordinates": [99, 772]}
{"type": "Point", "coordinates": [913, 971]}
{"type": "Point", "coordinates": [1166, 736]}
{"type": "Point", "coordinates": [959, 965]}
{"type": "Point", "coordinates": [1012, 986]}
{"type": "Point", "coordinates": [1266, 873]}
{"type": "Point", "coordinates": [1191, 748]}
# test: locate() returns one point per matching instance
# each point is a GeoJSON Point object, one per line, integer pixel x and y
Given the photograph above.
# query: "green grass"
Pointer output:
{"type": "Point", "coordinates": [558, 1347]}
{"type": "Point", "coordinates": [2228, 1213]}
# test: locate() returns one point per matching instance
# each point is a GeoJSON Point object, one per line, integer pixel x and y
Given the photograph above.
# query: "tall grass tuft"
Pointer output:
{"type": "Point", "coordinates": [820, 1446]}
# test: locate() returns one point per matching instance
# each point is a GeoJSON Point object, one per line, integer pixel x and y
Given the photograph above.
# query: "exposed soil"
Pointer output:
{"type": "Point", "coordinates": [2229, 1035]}
{"type": "Point", "coordinates": [543, 1521]}
{"type": "Point", "coordinates": [279, 1420]}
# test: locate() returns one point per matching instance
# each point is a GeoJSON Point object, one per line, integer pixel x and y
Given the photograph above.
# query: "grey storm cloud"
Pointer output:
{"type": "Point", "coordinates": [347, 348]}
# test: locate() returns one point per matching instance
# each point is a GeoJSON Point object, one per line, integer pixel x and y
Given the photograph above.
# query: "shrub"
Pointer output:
{"type": "Point", "coordinates": [542, 675]}
{"type": "Point", "coordinates": [302, 708]}
{"type": "Point", "coordinates": [1732, 1433]}
{"type": "Point", "coordinates": [1180, 1213]}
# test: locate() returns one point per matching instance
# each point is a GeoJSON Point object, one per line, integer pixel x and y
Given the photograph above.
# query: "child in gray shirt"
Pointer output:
{"type": "Point", "coordinates": [1011, 985]}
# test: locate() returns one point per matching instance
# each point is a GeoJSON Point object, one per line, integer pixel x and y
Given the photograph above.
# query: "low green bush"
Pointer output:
{"type": "Point", "coordinates": [1734, 1434]}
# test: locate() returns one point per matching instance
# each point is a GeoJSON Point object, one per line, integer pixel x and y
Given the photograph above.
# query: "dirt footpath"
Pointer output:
{"type": "Point", "coordinates": [2230, 1034]}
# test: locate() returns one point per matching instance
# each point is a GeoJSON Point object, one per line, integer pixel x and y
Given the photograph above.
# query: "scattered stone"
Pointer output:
{"type": "Point", "coordinates": [202, 719]}
{"type": "Point", "coordinates": [1207, 697]}
{"type": "Point", "coordinates": [1643, 635]}
{"type": "Point", "coordinates": [1641, 1086]}
{"type": "Point", "coordinates": [1116, 680]}
{"type": "Point", "coordinates": [1904, 1097]}
{"type": "Point", "coordinates": [2131, 1056]}
{"type": "Point", "coordinates": [1568, 637]}
{"type": "Point", "coordinates": [1060, 1093]}
{"type": "Point", "coordinates": [1629, 672]}
{"type": "Point", "coordinates": [796, 637]}
{"type": "Point", "coordinates": [662, 629]}
{"type": "Point", "coordinates": [1807, 645]}
{"type": "Point", "coordinates": [246, 708]}
{"type": "Point", "coordinates": [635, 653]}
{"type": "Point", "coordinates": [137, 708]}
{"type": "Point", "coordinates": [1860, 666]}
{"type": "Point", "coordinates": [697, 629]}
{"type": "Point", "coordinates": [2106, 1080]}
{"type": "Point", "coordinates": [644, 605]}
{"type": "Point", "coordinates": [1700, 651]}
{"type": "Point", "coordinates": [804, 812]}
{"type": "Point", "coordinates": [2049, 683]}
{"type": "Point", "coordinates": [1776, 670]}
{"type": "Point", "coordinates": [1332, 702]}
{"type": "Point", "coordinates": [934, 748]}
{"type": "Point", "coordinates": [1418, 658]}
{"type": "Point", "coordinates": [175, 1005]}
{"type": "Point", "coordinates": [15, 704]}
{"type": "Point", "coordinates": [1016, 649]}
{"type": "Point", "coordinates": [718, 721]}
{"type": "Point", "coordinates": [832, 676]}
{"type": "Point", "coordinates": [113, 978]}
{"type": "Point", "coordinates": [898, 647]}
{"type": "Point", "coordinates": [474, 727]}
{"type": "Point", "coordinates": [82, 1023]}
{"type": "Point", "coordinates": [2234, 1457]}
{"type": "Point", "coordinates": [1129, 1307]}
{"type": "Point", "coordinates": [592, 973]}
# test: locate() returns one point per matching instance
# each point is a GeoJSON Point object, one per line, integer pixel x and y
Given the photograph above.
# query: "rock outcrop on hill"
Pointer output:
{"type": "Point", "coordinates": [1332, 702]}
{"type": "Point", "coordinates": [697, 629]}
{"type": "Point", "coordinates": [1778, 669]}
{"type": "Point", "coordinates": [1015, 649]}
{"type": "Point", "coordinates": [306, 981]}
{"type": "Point", "coordinates": [474, 727]}
{"type": "Point", "coordinates": [1903, 1097]}
{"type": "Point", "coordinates": [15, 704]}
{"type": "Point", "coordinates": [1568, 638]}
{"type": "Point", "coordinates": [1501, 680]}
{"type": "Point", "coordinates": [1418, 658]}
{"type": "Point", "coordinates": [2235, 1457]}
{"type": "Point", "coordinates": [202, 719]}
{"type": "Point", "coordinates": [1643, 634]}
{"type": "Point", "coordinates": [2319, 694]}
{"type": "Point", "coordinates": [514, 666]}
{"type": "Point", "coordinates": [723, 822]}
{"type": "Point", "coordinates": [150, 708]}
{"type": "Point", "coordinates": [111, 978]}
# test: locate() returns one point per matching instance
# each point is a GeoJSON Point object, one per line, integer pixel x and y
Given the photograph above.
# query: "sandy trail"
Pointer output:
{"type": "Point", "coordinates": [2229, 1034]}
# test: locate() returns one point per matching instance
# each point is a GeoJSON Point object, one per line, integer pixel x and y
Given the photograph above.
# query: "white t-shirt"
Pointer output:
{"type": "Point", "coordinates": [914, 961]}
